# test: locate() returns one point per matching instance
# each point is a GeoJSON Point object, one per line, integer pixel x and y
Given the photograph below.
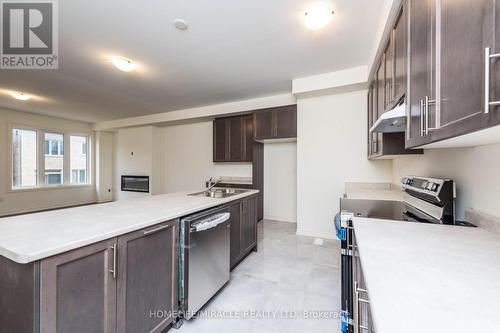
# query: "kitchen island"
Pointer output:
{"type": "Point", "coordinates": [429, 278]}
{"type": "Point", "coordinates": [97, 268]}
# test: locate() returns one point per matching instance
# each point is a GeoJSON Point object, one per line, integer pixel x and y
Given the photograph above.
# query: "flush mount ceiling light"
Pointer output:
{"type": "Point", "coordinates": [123, 64]}
{"type": "Point", "coordinates": [20, 95]}
{"type": "Point", "coordinates": [317, 16]}
{"type": "Point", "coordinates": [181, 24]}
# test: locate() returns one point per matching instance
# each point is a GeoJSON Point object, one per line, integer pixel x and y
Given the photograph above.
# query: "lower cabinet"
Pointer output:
{"type": "Point", "coordinates": [235, 252]}
{"type": "Point", "coordinates": [243, 228]}
{"type": "Point", "coordinates": [125, 284]}
{"type": "Point", "coordinates": [78, 290]}
{"type": "Point", "coordinates": [248, 224]}
{"type": "Point", "coordinates": [147, 278]}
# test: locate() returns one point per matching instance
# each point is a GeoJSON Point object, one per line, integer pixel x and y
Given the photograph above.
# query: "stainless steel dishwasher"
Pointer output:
{"type": "Point", "coordinates": [203, 258]}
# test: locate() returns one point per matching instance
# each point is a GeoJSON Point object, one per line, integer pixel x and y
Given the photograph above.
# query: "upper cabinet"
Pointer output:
{"type": "Point", "coordinates": [399, 41]}
{"type": "Point", "coordinates": [275, 123]}
{"type": "Point", "coordinates": [379, 85]}
{"type": "Point", "coordinates": [454, 74]}
{"type": "Point", "coordinates": [387, 88]}
{"type": "Point", "coordinates": [421, 71]}
{"type": "Point", "coordinates": [232, 139]}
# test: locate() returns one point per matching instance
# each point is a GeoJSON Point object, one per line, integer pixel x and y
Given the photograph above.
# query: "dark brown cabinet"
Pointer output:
{"type": "Point", "coordinates": [236, 138]}
{"type": "Point", "coordinates": [275, 123]}
{"type": "Point", "coordinates": [385, 91]}
{"type": "Point", "coordinates": [78, 290]}
{"type": "Point", "coordinates": [448, 68]}
{"type": "Point", "coordinates": [258, 176]}
{"type": "Point", "coordinates": [233, 139]}
{"type": "Point", "coordinates": [220, 137]}
{"type": "Point", "coordinates": [235, 210]}
{"type": "Point", "coordinates": [380, 88]}
{"type": "Point", "coordinates": [389, 73]}
{"type": "Point", "coordinates": [147, 278]}
{"type": "Point", "coordinates": [243, 228]}
{"type": "Point", "coordinates": [264, 125]}
{"type": "Point", "coordinates": [422, 71]}
{"type": "Point", "coordinates": [112, 286]}
{"type": "Point", "coordinates": [248, 224]}
{"type": "Point", "coordinates": [399, 37]}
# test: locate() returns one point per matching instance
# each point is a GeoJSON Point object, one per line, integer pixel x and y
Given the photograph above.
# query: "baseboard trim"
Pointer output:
{"type": "Point", "coordinates": [279, 218]}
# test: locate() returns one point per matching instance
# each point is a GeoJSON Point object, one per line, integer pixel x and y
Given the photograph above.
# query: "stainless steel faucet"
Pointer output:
{"type": "Point", "coordinates": [211, 183]}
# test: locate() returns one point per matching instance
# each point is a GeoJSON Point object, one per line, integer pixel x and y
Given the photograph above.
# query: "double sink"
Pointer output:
{"type": "Point", "coordinates": [219, 192]}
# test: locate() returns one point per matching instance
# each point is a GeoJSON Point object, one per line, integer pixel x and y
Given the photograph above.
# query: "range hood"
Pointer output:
{"type": "Point", "coordinates": [391, 121]}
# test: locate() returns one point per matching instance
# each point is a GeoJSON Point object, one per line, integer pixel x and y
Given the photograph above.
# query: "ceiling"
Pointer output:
{"type": "Point", "coordinates": [232, 50]}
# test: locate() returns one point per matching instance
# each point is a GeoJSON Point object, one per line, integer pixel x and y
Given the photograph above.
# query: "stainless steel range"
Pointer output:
{"type": "Point", "coordinates": [426, 200]}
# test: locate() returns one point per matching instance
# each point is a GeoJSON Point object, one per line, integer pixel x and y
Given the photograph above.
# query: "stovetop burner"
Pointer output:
{"type": "Point", "coordinates": [387, 210]}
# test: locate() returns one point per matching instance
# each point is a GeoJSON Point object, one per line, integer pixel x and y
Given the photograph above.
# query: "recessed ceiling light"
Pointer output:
{"type": "Point", "coordinates": [123, 64]}
{"type": "Point", "coordinates": [317, 16]}
{"type": "Point", "coordinates": [20, 95]}
{"type": "Point", "coordinates": [181, 24]}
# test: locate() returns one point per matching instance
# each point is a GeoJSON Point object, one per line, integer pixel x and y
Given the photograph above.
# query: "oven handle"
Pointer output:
{"type": "Point", "coordinates": [207, 223]}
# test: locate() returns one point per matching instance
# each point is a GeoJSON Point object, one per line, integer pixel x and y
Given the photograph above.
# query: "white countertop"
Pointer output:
{"type": "Point", "coordinates": [430, 278]}
{"type": "Point", "coordinates": [31, 237]}
{"type": "Point", "coordinates": [375, 194]}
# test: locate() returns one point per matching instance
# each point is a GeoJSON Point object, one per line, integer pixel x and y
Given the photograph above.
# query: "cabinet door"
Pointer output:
{"type": "Point", "coordinates": [235, 211]}
{"type": "Point", "coordinates": [248, 138]}
{"type": "Point", "coordinates": [286, 122]}
{"type": "Point", "coordinates": [389, 73]}
{"type": "Point", "coordinates": [466, 30]}
{"type": "Point", "coordinates": [421, 17]}
{"type": "Point", "coordinates": [263, 125]}
{"type": "Point", "coordinates": [78, 290]}
{"type": "Point", "coordinates": [147, 278]}
{"type": "Point", "coordinates": [220, 138]}
{"type": "Point", "coordinates": [400, 44]}
{"type": "Point", "coordinates": [236, 138]}
{"type": "Point", "coordinates": [248, 224]}
{"type": "Point", "coordinates": [380, 77]}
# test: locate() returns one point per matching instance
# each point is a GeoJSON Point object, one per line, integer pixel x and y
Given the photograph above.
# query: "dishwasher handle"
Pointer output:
{"type": "Point", "coordinates": [210, 222]}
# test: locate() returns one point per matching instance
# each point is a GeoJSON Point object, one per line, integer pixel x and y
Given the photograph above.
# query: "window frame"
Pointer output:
{"type": "Point", "coordinates": [40, 132]}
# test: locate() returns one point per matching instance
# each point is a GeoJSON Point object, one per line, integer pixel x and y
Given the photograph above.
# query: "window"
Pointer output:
{"type": "Point", "coordinates": [78, 160]}
{"type": "Point", "coordinates": [54, 158]}
{"type": "Point", "coordinates": [53, 177]}
{"type": "Point", "coordinates": [78, 176]}
{"type": "Point", "coordinates": [47, 158]}
{"type": "Point", "coordinates": [54, 144]}
{"type": "Point", "coordinates": [24, 158]}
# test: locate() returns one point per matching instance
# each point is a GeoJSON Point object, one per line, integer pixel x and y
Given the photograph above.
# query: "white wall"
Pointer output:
{"type": "Point", "coordinates": [187, 151]}
{"type": "Point", "coordinates": [12, 202]}
{"type": "Point", "coordinates": [280, 181]}
{"type": "Point", "coordinates": [331, 150]}
{"type": "Point", "coordinates": [137, 152]}
{"type": "Point", "coordinates": [476, 171]}
{"type": "Point", "coordinates": [104, 166]}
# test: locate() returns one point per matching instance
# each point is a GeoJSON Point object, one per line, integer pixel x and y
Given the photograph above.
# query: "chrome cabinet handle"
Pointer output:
{"type": "Point", "coordinates": [361, 290]}
{"type": "Point", "coordinates": [152, 231]}
{"type": "Point", "coordinates": [357, 323]}
{"type": "Point", "coordinates": [426, 108]}
{"type": "Point", "coordinates": [422, 130]}
{"type": "Point", "coordinates": [113, 271]}
{"type": "Point", "coordinates": [487, 77]}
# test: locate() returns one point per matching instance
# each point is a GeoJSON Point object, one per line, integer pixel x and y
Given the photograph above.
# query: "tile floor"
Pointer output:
{"type": "Point", "coordinates": [288, 275]}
